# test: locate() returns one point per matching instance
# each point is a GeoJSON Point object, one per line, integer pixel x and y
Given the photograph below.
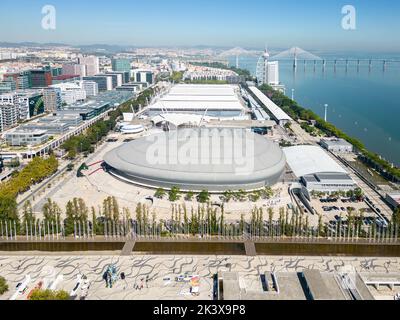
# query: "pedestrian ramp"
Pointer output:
{"type": "Point", "coordinates": [128, 248]}
{"type": "Point", "coordinates": [250, 248]}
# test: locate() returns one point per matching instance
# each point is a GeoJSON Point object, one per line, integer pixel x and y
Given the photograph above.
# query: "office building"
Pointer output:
{"type": "Point", "coordinates": [104, 82]}
{"type": "Point", "coordinates": [144, 76]}
{"type": "Point", "coordinates": [120, 64]}
{"type": "Point", "coordinates": [71, 120]}
{"type": "Point", "coordinates": [66, 78]}
{"type": "Point", "coordinates": [30, 104]}
{"type": "Point", "coordinates": [91, 63]}
{"type": "Point", "coordinates": [71, 92]}
{"type": "Point", "coordinates": [91, 88]}
{"type": "Point", "coordinates": [52, 98]}
{"type": "Point", "coordinates": [26, 137]}
{"type": "Point", "coordinates": [8, 116]}
{"type": "Point", "coordinates": [40, 78]}
{"type": "Point", "coordinates": [74, 69]}
{"type": "Point", "coordinates": [51, 128]}
{"type": "Point", "coordinates": [273, 73]}
{"type": "Point", "coordinates": [129, 87]}
{"type": "Point", "coordinates": [56, 71]}
{"type": "Point", "coordinates": [337, 145]}
{"type": "Point", "coordinates": [116, 79]}
{"type": "Point", "coordinates": [21, 79]}
{"type": "Point", "coordinates": [7, 86]}
{"type": "Point", "coordinates": [124, 74]}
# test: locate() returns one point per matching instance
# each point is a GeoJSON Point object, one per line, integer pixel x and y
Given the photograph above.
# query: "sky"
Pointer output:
{"type": "Point", "coordinates": [310, 24]}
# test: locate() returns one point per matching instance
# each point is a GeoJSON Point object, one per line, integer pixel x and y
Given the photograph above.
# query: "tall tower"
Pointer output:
{"type": "Point", "coordinates": [262, 68]}
{"type": "Point", "coordinates": [266, 58]}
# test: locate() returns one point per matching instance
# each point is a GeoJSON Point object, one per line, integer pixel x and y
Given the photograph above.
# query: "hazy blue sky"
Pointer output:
{"type": "Point", "coordinates": [310, 24]}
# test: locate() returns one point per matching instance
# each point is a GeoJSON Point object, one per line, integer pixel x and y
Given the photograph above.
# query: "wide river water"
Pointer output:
{"type": "Point", "coordinates": [363, 102]}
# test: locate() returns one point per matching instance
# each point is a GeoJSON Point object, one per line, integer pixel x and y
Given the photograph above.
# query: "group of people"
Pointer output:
{"type": "Point", "coordinates": [143, 281]}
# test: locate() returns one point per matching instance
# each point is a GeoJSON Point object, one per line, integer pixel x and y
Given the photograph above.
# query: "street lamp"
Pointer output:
{"type": "Point", "coordinates": [326, 112]}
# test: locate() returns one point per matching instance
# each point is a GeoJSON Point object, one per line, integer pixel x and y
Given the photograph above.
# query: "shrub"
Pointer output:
{"type": "Point", "coordinates": [39, 294]}
{"type": "Point", "coordinates": [3, 286]}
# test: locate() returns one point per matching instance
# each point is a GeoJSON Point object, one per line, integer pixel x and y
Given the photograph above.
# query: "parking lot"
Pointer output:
{"type": "Point", "coordinates": [336, 211]}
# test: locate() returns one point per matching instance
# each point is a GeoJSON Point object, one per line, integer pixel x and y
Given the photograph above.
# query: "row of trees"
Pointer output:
{"type": "Point", "coordinates": [356, 194]}
{"type": "Point", "coordinates": [241, 195]}
{"type": "Point", "coordinates": [299, 113]}
{"type": "Point", "coordinates": [35, 172]}
{"type": "Point", "coordinates": [175, 194]}
{"type": "Point", "coordinates": [85, 143]}
{"type": "Point", "coordinates": [205, 219]}
{"type": "Point", "coordinates": [204, 196]}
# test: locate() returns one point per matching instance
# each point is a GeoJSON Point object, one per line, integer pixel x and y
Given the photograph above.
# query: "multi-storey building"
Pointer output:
{"type": "Point", "coordinates": [91, 63]}
{"type": "Point", "coordinates": [30, 104]}
{"type": "Point", "coordinates": [144, 76]}
{"type": "Point", "coordinates": [91, 88]}
{"type": "Point", "coordinates": [71, 92]}
{"type": "Point", "coordinates": [8, 116]}
{"type": "Point", "coordinates": [21, 79]}
{"type": "Point", "coordinates": [52, 99]}
{"type": "Point", "coordinates": [104, 82]}
{"type": "Point", "coordinates": [40, 78]}
{"type": "Point", "coordinates": [7, 86]}
{"type": "Point", "coordinates": [20, 137]}
{"type": "Point", "coordinates": [124, 74]}
{"type": "Point", "coordinates": [74, 69]}
{"type": "Point", "coordinates": [120, 64]}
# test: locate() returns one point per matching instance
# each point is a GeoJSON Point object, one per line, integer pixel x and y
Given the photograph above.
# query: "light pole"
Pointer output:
{"type": "Point", "coordinates": [326, 112]}
{"type": "Point", "coordinates": [293, 94]}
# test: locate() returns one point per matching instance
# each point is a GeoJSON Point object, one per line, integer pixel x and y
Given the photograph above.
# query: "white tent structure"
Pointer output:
{"type": "Point", "coordinates": [306, 160]}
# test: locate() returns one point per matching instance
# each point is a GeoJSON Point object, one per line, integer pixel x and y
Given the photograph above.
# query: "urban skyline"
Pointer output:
{"type": "Point", "coordinates": [179, 23]}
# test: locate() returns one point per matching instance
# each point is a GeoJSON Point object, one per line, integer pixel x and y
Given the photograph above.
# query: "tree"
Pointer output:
{"type": "Point", "coordinates": [160, 193]}
{"type": "Point", "coordinates": [51, 211]}
{"type": "Point", "coordinates": [28, 217]}
{"type": "Point", "coordinates": [9, 211]}
{"type": "Point", "coordinates": [3, 286]}
{"type": "Point", "coordinates": [115, 209]}
{"type": "Point", "coordinates": [203, 197]}
{"type": "Point", "coordinates": [396, 219]}
{"type": "Point", "coordinates": [228, 195]}
{"type": "Point", "coordinates": [189, 196]}
{"type": "Point", "coordinates": [94, 221]}
{"type": "Point", "coordinates": [174, 194]}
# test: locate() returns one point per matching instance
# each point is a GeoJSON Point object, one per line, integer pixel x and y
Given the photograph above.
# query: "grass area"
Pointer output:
{"type": "Point", "coordinates": [375, 178]}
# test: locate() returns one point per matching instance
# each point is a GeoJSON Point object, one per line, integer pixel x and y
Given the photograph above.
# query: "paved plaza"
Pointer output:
{"type": "Point", "coordinates": [153, 277]}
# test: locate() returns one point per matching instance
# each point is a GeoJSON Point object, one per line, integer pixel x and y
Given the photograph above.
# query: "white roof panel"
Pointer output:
{"type": "Point", "coordinates": [278, 113]}
{"type": "Point", "coordinates": [304, 160]}
{"type": "Point", "coordinates": [197, 105]}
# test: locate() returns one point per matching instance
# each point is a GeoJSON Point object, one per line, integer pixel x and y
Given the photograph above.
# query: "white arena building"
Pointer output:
{"type": "Point", "coordinates": [217, 101]}
{"type": "Point", "coordinates": [217, 160]}
{"type": "Point", "coordinates": [317, 170]}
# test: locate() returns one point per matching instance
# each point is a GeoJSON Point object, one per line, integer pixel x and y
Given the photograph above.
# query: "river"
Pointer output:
{"type": "Point", "coordinates": [363, 102]}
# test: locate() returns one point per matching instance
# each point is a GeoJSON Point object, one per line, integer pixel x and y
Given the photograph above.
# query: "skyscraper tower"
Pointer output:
{"type": "Point", "coordinates": [267, 71]}
{"type": "Point", "coordinates": [266, 58]}
{"type": "Point", "coordinates": [262, 68]}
